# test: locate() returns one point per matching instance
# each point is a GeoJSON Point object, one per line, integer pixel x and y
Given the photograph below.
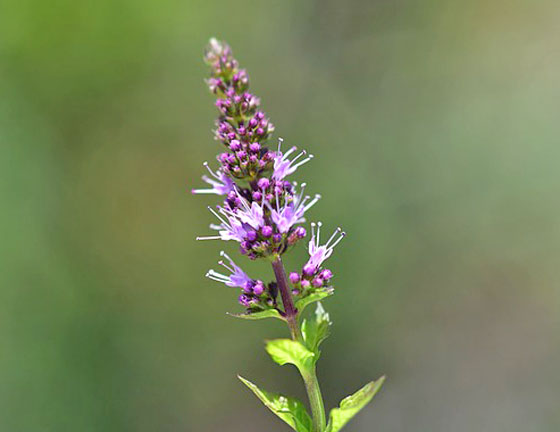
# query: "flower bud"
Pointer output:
{"type": "Point", "coordinates": [294, 277]}
{"type": "Point", "coordinates": [266, 231]}
{"type": "Point", "coordinates": [248, 287]}
{"type": "Point", "coordinates": [308, 270]}
{"type": "Point", "coordinates": [258, 289]}
{"type": "Point", "coordinates": [263, 183]}
{"type": "Point", "coordinates": [317, 282]}
{"type": "Point", "coordinates": [244, 300]}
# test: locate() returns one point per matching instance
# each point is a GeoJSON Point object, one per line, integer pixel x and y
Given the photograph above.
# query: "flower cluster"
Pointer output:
{"type": "Point", "coordinates": [262, 210]}
{"type": "Point", "coordinates": [313, 276]}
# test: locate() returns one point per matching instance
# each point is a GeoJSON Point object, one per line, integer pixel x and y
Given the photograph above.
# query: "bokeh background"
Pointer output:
{"type": "Point", "coordinates": [435, 130]}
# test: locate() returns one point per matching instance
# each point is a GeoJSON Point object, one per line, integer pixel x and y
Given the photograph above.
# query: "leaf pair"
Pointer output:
{"type": "Point", "coordinates": [300, 306]}
{"type": "Point", "coordinates": [293, 412]}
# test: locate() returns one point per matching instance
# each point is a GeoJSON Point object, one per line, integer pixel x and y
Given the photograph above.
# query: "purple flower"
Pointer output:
{"type": "Point", "coordinates": [283, 166]}
{"type": "Point", "coordinates": [237, 278]}
{"type": "Point", "coordinates": [251, 214]}
{"type": "Point", "coordinates": [229, 229]}
{"type": "Point", "coordinates": [292, 212]}
{"type": "Point", "coordinates": [318, 254]}
{"type": "Point", "coordinates": [221, 183]}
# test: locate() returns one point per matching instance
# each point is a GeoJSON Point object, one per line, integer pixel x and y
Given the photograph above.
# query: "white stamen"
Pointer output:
{"type": "Point", "coordinates": [297, 157]}
{"type": "Point", "coordinates": [217, 215]}
{"type": "Point", "coordinates": [342, 235]}
{"type": "Point", "coordinates": [312, 203]}
{"type": "Point", "coordinates": [218, 277]}
{"type": "Point", "coordinates": [280, 141]}
{"type": "Point", "coordinates": [300, 163]}
{"type": "Point", "coordinates": [336, 231]}
{"type": "Point", "coordinates": [226, 256]}
{"type": "Point", "coordinates": [212, 173]}
{"type": "Point", "coordinates": [289, 152]}
{"type": "Point", "coordinates": [223, 264]}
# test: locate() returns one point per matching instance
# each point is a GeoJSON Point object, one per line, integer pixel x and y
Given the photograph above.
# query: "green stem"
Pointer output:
{"type": "Point", "coordinates": [309, 376]}
{"type": "Point", "coordinates": [315, 400]}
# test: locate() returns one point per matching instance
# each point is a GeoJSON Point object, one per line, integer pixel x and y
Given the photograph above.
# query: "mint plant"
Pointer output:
{"type": "Point", "coordinates": [264, 213]}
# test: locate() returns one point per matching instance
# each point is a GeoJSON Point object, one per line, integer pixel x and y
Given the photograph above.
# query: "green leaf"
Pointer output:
{"type": "Point", "coordinates": [269, 313]}
{"type": "Point", "coordinates": [316, 329]}
{"type": "Point", "coordinates": [301, 304]}
{"type": "Point", "coordinates": [285, 351]}
{"type": "Point", "coordinates": [291, 410]}
{"type": "Point", "coordinates": [351, 405]}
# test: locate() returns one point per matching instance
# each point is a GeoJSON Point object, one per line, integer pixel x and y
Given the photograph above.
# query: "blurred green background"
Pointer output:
{"type": "Point", "coordinates": [435, 130]}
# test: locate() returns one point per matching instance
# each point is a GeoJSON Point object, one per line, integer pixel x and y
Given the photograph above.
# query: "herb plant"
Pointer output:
{"type": "Point", "coordinates": [263, 211]}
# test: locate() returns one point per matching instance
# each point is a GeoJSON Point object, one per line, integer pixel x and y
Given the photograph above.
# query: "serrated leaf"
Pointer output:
{"type": "Point", "coordinates": [351, 405]}
{"type": "Point", "coordinates": [316, 329]}
{"type": "Point", "coordinates": [319, 295]}
{"type": "Point", "coordinates": [284, 351]}
{"type": "Point", "coordinates": [291, 410]}
{"type": "Point", "coordinates": [270, 313]}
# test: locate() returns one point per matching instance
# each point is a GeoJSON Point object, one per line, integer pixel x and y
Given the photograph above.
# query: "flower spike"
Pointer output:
{"type": "Point", "coordinates": [263, 212]}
